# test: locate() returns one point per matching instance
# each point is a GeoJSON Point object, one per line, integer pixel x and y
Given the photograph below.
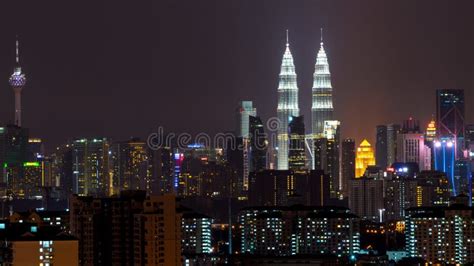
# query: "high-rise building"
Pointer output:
{"type": "Point", "coordinates": [271, 187]}
{"type": "Point", "coordinates": [13, 153]}
{"type": "Point", "coordinates": [258, 145]}
{"type": "Point", "coordinates": [35, 149]}
{"type": "Point", "coordinates": [327, 155]}
{"type": "Point", "coordinates": [392, 132]}
{"type": "Point", "coordinates": [441, 235]}
{"type": "Point", "coordinates": [17, 82]}
{"type": "Point", "coordinates": [33, 181]}
{"type": "Point", "coordinates": [61, 169]}
{"type": "Point", "coordinates": [326, 158]}
{"type": "Point", "coordinates": [162, 170]}
{"type": "Point", "coordinates": [217, 181]}
{"type": "Point", "coordinates": [90, 165]}
{"type": "Point", "coordinates": [314, 188]}
{"type": "Point", "coordinates": [400, 193]}
{"type": "Point", "coordinates": [411, 125]}
{"type": "Point", "coordinates": [430, 134]}
{"type": "Point", "coordinates": [196, 233]}
{"type": "Point", "coordinates": [348, 154]}
{"type": "Point", "coordinates": [433, 189]}
{"type": "Point", "coordinates": [157, 234]}
{"type": "Point", "coordinates": [322, 108]}
{"type": "Point", "coordinates": [296, 149]}
{"type": "Point", "coordinates": [381, 145]}
{"type": "Point", "coordinates": [179, 183]}
{"type": "Point", "coordinates": [411, 148]}
{"type": "Point", "coordinates": [298, 230]}
{"type": "Point", "coordinates": [244, 110]}
{"type": "Point", "coordinates": [287, 105]}
{"type": "Point", "coordinates": [450, 116]}
{"type": "Point", "coordinates": [463, 177]}
{"type": "Point", "coordinates": [364, 158]}
{"type": "Point", "coordinates": [104, 227]}
{"type": "Point", "coordinates": [131, 169]}
{"type": "Point", "coordinates": [366, 197]}
{"type": "Point", "coordinates": [130, 229]}
{"type": "Point", "coordinates": [444, 158]}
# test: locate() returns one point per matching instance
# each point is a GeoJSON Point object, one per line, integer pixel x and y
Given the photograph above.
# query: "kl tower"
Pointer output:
{"type": "Point", "coordinates": [17, 81]}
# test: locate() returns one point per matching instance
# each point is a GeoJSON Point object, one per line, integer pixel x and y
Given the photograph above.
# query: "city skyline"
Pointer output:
{"type": "Point", "coordinates": [60, 79]}
{"type": "Point", "coordinates": [215, 132]}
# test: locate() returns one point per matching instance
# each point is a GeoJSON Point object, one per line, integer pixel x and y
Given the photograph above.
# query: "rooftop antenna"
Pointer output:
{"type": "Point", "coordinates": [321, 35]}
{"type": "Point", "coordinates": [287, 43]}
{"type": "Point", "coordinates": [17, 51]}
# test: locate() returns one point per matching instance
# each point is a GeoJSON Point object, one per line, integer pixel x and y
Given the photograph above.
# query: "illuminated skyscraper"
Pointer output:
{"type": "Point", "coordinates": [411, 145]}
{"type": "Point", "coordinates": [327, 154]}
{"type": "Point", "coordinates": [258, 145]}
{"type": "Point", "coordinates": [17, 81]}
{"type": "Point", "coordinates": [33, 180]}
{"type": "Point", "coordinates": [296, 151]}
{"type": "Point", "coordinates": [13, 153]}
{"type": "Point", "coordinates": [90, 166]}
{"type": "Point", "coordinates": [287, 104]}
{"type": "Point", "coordinates": [450, 116]}
{"type": "Point", "coordinates": [444, 160]}
{"type": "Point", "coordinates": [244, 110]}
{"type": "Point", "coordinates": [430, 133]}
{"type": "Point", "coordinates": [322, 108]}
{"type": "Point", "coordinates": [364, 157]}
{"type": "Point", "coordinates": [131, 167]}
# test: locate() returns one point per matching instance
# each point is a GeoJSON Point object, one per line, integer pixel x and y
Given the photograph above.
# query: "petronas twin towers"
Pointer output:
{"type": "Point", "coordinates": [321, 110]}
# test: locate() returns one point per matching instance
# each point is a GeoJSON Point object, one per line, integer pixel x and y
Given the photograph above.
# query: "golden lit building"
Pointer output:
{"type": "Point", "coordinates": [364, 157]}
{"type": "Point", "coordinates": [431, 131]}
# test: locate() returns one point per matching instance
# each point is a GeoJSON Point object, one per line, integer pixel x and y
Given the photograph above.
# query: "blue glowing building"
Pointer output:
{"type": "Point", "coordinates": [444, 160]}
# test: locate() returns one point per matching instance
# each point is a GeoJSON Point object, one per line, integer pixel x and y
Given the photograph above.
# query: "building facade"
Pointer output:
{"type": "Point", "coordinates": [364, 157]}
{"type": "Point", "coordinates": [443, 235]}
{"type": "Point", "coordinates": [90, 162]}
{"type": "Point", "coordinates": [450, 116]}
{"type": "Point", "coordinates": [366, 197]}
{"type": "Point", "coordinates": [131, 167]}
{"type": "Point", "coordinates": [298, 230]}
{"type": "Point", "coordinates": [296, 148]}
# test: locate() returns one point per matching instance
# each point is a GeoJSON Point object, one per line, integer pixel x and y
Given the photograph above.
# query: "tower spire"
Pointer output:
{"type": "Point", "coordinates": [321, 35]}
{"type": "Point", "coordinates": [17, 51]}
{"type": "Point", "coordinates": [287, 42]}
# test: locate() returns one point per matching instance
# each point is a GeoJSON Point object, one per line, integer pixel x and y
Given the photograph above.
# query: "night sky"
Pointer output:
{"type": "Point", "coordinates": [123, 68]}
